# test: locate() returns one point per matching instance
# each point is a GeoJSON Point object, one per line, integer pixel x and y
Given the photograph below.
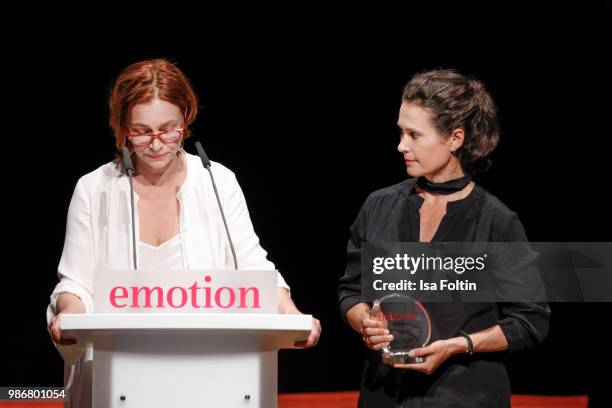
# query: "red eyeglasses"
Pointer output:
{"type": "Point", "coordinates": [145, 139]}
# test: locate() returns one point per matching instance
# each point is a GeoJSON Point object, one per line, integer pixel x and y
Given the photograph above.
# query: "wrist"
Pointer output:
{"type": "Point", "coordinates": [458, 345]}
{"type": "Point", "coordinates": [69, 303]}
{"type": "Point", "coordinates": [292, 310]}
{"type": "Point", "coordinates": [468, 341]}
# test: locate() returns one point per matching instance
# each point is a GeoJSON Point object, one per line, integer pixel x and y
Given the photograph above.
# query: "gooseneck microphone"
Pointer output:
{"type": "Point", "coordinates": [129, 169]}
{"type": "Point", "coordinates": [206, 164]}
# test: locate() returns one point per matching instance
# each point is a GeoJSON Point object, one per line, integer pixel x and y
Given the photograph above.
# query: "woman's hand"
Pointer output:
{"type": "Point", "coordinates": [286, 306]}
{"type": "Point", "coordinates": [67, 303]}
{"type": "Point", "coordinates": [436, 353]}
{"type": "Point", "coordinates": [313, 338]}
{"type": "Point", "coordinates": [374, 334]}
{"type": "Point", "coordinates": [489, 340]}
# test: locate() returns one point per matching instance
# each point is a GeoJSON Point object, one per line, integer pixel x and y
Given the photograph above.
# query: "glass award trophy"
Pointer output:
{"type": "Point", "coordinates": [408, 322]}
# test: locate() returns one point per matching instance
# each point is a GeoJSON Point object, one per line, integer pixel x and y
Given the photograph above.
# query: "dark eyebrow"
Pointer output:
{"type": "Point", "coordinates": [161, 126]}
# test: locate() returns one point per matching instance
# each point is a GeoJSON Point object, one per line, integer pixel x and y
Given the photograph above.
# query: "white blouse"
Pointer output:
{"type": "Point", "coordinates": [164, 257]}
{"type": "Point", "coordinates": [98, 234]}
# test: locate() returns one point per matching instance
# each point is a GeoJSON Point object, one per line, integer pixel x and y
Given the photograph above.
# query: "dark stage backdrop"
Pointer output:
{"type": "Point", "coordinates": [307, 123]}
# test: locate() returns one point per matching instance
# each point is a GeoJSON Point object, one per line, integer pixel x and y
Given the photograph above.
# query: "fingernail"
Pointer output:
{"type": "Point", "coordinates": [386, 331]}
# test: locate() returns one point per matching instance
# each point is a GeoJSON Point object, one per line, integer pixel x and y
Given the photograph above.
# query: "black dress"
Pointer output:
{"type": "Point", "coordinates": [481, 380]}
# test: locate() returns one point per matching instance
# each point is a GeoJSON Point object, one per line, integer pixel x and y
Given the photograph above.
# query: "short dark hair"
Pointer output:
{"type": "Point", "coordinates": [456, 101]}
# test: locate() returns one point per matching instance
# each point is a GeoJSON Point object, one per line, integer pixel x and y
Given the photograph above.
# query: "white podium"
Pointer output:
{"type": "Point", "coordinates": [150, 360]}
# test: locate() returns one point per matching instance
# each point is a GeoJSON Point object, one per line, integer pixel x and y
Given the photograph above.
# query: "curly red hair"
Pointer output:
{"type": "Point", "coordinates": [144, 81]}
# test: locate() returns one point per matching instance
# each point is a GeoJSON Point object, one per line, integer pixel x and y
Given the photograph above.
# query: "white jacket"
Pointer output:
{"type": "Point", "coordinates": [99, 234]}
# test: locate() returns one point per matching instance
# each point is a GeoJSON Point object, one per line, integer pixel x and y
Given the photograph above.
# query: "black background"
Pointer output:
{"type": "Point", "coordinates": [304, 114]}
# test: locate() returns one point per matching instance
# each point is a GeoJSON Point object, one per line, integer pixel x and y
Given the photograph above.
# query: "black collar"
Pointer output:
{"type": "Point", "coordinates": [447, 187]}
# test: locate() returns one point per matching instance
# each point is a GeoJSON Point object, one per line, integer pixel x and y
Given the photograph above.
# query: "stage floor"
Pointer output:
{"type": "Point", "coordinates": [348, 399]}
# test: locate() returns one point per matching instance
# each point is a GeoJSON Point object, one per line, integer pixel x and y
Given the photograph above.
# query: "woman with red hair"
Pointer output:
{"type": "Point", "coordinates": [179, 226]}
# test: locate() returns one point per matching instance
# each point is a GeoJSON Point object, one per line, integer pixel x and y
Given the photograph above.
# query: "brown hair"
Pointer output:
{"type": "Point", "coordinates": [454, 102]}
{"type": "Point", "coordinates": [144, 81]}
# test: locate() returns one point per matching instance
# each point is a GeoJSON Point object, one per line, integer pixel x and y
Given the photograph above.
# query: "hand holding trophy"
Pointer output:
{"type": "Point", "coordinates": [407, 321]}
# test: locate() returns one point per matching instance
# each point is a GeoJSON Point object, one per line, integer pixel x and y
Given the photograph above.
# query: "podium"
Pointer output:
{"type": "Point", "coordinates": [150, 360]}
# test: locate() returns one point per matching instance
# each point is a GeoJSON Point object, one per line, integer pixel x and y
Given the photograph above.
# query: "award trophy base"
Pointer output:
{"type": "Point", "coordinates": [401, 357]}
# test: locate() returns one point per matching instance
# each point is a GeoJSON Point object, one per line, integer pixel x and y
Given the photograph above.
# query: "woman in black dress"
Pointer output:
{"type": "Point", "coordinates": [448, 125]}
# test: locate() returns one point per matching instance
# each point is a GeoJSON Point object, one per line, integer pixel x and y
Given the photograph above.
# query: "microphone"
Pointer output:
{"type": "Point", "coordinates": [129, 168]}
{"type": "Point", "coordinates": [206, 164]}
{"type": "Point", "coordinates": [203, 156]}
